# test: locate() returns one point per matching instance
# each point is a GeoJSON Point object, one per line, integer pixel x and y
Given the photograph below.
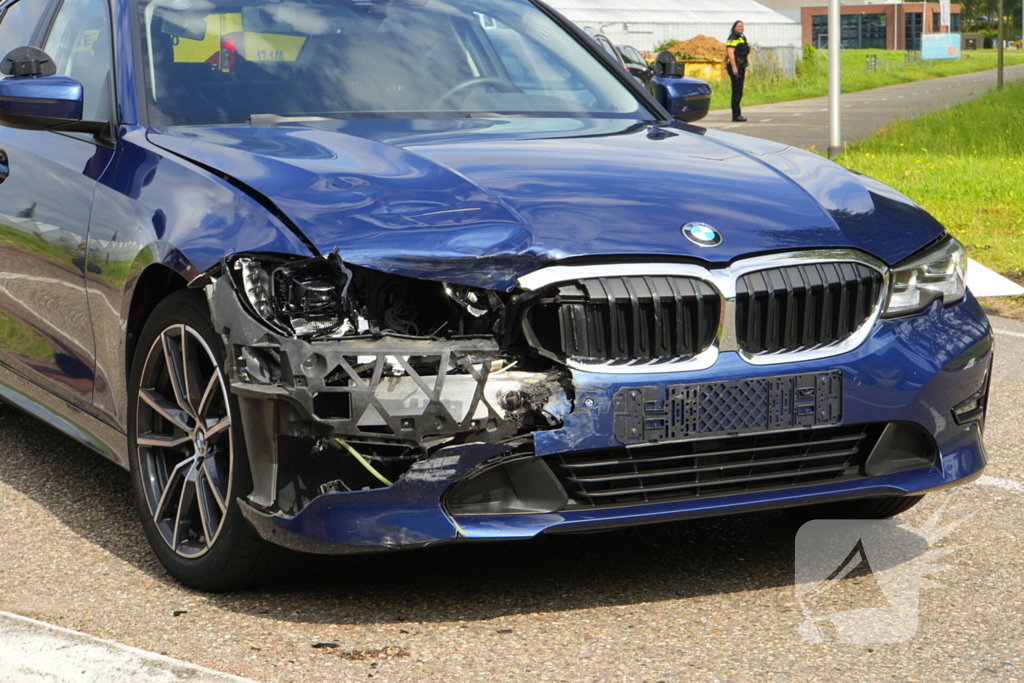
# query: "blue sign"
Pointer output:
{"type": "Point", "coordinates": [940, 46]}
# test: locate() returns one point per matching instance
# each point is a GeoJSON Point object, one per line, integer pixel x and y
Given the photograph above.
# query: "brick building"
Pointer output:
{"type": "Point", "coordinates": [891, 26]}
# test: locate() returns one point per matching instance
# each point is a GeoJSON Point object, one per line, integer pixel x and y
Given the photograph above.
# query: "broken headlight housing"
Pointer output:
{"type": "Point", "coordinates": [939, 273]}
{"type": "Point", "coordinates": [304, 298]}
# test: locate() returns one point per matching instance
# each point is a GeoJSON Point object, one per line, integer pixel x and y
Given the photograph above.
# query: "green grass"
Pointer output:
{"type": "Point", "coordinates": [113, 273]}
{"type": "Point", "coordinates": [812, 75]}
{"type": "Point", "coordinates": [965, 165]}
{"type": "Point", "coordinates": [21, 340]}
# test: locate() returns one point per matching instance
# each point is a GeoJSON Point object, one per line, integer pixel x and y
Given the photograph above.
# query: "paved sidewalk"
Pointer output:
{"type": "Point", "coordinates": [803, 123]}
{"type": "Point", "coordinates": [34, 652]}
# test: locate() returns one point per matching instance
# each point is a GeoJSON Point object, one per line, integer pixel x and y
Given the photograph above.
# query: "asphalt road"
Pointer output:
{"type": "Point", "coordinates": [709, 600]}
{"type": "Point", "coordinates": [804, 123]}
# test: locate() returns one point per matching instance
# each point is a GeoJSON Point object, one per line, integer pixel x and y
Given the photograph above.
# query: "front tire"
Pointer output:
{"type": "Point", "coordinates": [187, 452]}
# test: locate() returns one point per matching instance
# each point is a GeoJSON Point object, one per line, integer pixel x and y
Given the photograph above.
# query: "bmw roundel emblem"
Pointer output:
{"type": "Point", "coordinates": [702, 234]}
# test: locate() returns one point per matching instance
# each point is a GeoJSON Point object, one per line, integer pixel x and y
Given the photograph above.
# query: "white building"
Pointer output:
{"type": "Point", "coordinates": [647, 23]}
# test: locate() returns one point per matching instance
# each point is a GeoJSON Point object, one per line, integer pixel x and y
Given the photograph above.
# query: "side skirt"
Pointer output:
{"type": "Point", "coordinates": [59, 414]}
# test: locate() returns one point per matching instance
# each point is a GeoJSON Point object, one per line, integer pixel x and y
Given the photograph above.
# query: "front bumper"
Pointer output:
{"type": "Point", "coordinates": [911, 370]}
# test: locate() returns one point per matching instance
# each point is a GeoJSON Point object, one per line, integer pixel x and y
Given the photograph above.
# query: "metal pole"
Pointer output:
{"type": "Point", "coordinates": [835, 142]}
{"type": "Point", "coordinates": [999, 59]}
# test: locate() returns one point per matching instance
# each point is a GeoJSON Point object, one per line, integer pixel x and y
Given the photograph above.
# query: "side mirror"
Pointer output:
{"type": "Point", "coordinates": [665, 64]}
{"type": "Point", "coordinates": [686, 99]}
{"type": "Point", "coordinates": [40, 103]}
{"type": "Point", "coordinates": [32, 97]}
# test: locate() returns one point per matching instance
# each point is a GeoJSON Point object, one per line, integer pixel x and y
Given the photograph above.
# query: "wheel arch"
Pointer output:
{"type": "Point", "coordinates": [154, 284]}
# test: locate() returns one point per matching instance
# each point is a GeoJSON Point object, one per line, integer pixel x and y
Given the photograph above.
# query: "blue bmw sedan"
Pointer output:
{"type": "Point", "coordinates": [342, 276]}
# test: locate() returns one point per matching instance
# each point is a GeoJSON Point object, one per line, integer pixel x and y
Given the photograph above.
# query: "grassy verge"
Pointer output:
{"type": "Point", "coordinates": [812, 75]}
{"type": "Point", "coordinates": [965, 165]}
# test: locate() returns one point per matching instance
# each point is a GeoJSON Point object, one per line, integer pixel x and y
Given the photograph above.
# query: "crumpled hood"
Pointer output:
{"type": "Point", "coordinates": [486, 209]}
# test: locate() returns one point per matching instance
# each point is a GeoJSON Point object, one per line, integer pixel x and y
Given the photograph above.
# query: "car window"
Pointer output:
{"type": "Point", "coordinates": [224, 60]}
{"type": "Point", "coordinates": [533, 70]}
{"type": "Point", "coordinates": [18, 22]}
{"type": "Point", "coordinates": [79, 44]}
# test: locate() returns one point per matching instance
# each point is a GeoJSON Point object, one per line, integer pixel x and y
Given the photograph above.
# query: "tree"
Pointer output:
{"type": "Point", "coordinates": [973, 11]}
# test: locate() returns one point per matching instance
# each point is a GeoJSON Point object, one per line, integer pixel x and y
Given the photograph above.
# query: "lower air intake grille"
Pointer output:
{"type": "Point", "coordinates": [714, 467]}
{"type": "Point", "coordinates": [623, 319]}
{"type": "Point", "coordinates": [804, 307]}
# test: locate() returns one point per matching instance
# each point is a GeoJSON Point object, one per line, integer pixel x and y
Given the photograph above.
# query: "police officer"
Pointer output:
{"type": "Point", "coordinates": [737, 50]}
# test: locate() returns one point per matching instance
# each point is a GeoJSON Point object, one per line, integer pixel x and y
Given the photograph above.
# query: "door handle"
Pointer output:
{"type": "Point", "coordinates": [5, 169]}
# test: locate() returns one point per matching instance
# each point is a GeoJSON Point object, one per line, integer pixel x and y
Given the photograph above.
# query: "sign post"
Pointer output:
{"type": "Point", "coordinates": [835, 143]}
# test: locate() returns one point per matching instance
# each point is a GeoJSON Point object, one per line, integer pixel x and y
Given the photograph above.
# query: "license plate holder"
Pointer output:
{"type": "Point", "coordinates": [650, 414]}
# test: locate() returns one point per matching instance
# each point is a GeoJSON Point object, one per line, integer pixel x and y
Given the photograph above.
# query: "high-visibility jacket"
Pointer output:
{"type": "Point", "coordinates": [739, 43]}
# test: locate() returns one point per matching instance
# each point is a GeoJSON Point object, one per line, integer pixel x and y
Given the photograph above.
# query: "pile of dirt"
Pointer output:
{"type": "Point", "coordinates": [701, 47]}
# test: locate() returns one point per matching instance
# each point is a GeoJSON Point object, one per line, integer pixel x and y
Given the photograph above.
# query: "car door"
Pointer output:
{"type": "Point", "coordinates": [45, 201]}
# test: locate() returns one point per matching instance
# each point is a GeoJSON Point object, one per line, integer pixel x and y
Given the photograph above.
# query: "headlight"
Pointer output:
{"type": "Point", "coordinates": [939, 273]}
{"type": "Point", "coordinates": [323, 298]}
{"type": "Point", "coordinates": [305, 298]}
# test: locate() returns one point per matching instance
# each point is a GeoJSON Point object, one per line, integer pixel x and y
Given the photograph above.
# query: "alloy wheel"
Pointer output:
{"type": "Point", "coordinates": [184, 441]}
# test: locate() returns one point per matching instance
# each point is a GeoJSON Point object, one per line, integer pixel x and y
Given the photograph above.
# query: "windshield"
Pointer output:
{"type": "Point", "coordinates": [220, 62]}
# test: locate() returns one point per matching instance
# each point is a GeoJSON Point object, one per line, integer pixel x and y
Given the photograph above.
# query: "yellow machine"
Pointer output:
{"type": "Point", "coordinates": [225, 39]}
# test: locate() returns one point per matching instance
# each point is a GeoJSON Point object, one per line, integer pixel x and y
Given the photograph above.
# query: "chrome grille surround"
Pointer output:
{"type": "Point", "coordinates": [724, 281]}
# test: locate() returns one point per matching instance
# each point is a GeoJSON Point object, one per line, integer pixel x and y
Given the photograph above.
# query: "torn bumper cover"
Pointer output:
{"type": "Point", "coordinates": [374, 441]}
{"type": "Point", "coordinates": [385, 418]}
{"type": "Point", "coordinates": [407, 514]}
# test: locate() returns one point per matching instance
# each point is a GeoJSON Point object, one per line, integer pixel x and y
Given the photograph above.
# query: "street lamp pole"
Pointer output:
{"type": "Point", "coordinates": [999, 59]}
{"type": "Point", "coordinates": [835, 141]}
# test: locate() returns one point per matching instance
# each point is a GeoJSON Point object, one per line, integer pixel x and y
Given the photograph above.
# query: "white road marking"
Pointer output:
{"type": "Point", "coordinates": [1007, 333]}
{"type": "Point", "coordinates": [61, 333]}
{"type": "Point", "coordinates": [798, 114]}
{"type": "Point", "coordinates": [984, 281]}
{"type": "Point", "coordinates": [764, 120]}
{"type": "Point", "coordinates": [825, 109]}
{"type": "Point", "coordinates": [37, 652]}
{"type": "Point", "coordinates": [1007, 484]}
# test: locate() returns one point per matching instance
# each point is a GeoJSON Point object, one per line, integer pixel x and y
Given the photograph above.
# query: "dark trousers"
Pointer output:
{"type": "Point", "coordinates": [737, 90]}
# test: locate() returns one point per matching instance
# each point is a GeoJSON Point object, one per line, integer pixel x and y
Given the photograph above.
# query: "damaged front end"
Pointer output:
{"type": "Point", "coordinates": [364, 396]}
